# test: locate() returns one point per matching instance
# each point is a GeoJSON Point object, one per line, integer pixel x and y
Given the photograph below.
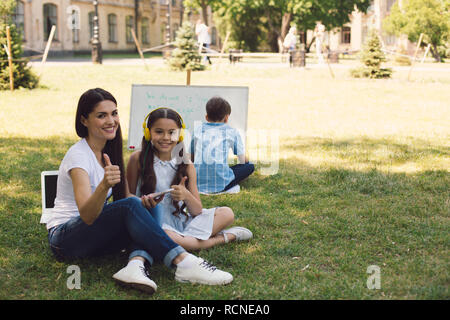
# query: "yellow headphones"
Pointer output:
{"type": "Point", "coordinates": [148, 136]}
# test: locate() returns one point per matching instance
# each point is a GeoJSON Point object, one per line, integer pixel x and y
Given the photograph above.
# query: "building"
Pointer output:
{"type": "Point", "coordinates": [352, 35]}
{"type": "Point", "coordinates": [74, 21]}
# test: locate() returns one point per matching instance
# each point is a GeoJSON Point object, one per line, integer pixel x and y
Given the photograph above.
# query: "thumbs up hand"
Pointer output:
{"type": "Point", "coordinates": [180, 192]}
{"type": "Point", "coordinates": [112, 173]}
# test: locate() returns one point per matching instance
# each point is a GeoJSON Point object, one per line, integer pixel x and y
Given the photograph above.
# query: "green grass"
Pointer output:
{"type": "Point", "coordinates": [363, 179]}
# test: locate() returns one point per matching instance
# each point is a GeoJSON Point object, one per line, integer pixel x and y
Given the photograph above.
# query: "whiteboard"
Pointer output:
{"type": "Point", "coordinates": [189, 102]}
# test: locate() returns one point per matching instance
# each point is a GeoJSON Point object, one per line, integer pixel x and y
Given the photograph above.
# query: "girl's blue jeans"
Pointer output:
{"type": "Point", "coordinates": [122, 224]}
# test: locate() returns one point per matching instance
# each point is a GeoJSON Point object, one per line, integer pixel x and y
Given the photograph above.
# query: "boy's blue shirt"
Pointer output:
{"type": "Point", "coordinates": [210, 145]}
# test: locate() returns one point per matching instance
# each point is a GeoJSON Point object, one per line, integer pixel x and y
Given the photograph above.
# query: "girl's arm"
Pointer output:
{"type": "Point", "coordinates": [189, 194]}
{"type": "Point", "coordinates": [132, 179]}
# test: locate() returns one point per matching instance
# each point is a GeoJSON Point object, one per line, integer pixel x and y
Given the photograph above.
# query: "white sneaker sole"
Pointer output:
{"type": "Point", "coordinates": [139, 286]}
{"type": "Point", "coordinates": [223, 282]}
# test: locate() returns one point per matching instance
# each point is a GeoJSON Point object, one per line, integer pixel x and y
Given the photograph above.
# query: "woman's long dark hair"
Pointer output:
{"type": "Point", "coordinates": [113, 148]}
{"type": "Point", "coordinates": [147, 175]}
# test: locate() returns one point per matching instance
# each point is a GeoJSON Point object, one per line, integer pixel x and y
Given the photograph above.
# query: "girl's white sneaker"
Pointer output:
{"type": "Point", "coordinates": [203, 272]}
{"type": "Point", "coordinates": [241, 233]}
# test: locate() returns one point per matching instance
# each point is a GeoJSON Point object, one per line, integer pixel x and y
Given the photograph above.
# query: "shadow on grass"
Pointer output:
{"type": "Point", "coordinates": [316, 229]}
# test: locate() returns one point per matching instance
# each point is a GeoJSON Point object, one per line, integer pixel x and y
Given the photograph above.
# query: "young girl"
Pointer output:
{"type": "Point", "coordinates": [156, 167]}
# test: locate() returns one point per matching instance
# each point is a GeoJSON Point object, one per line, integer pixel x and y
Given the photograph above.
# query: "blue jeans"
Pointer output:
{"type": "Point", "coordinates": [123, 224]}
{"type": "Point", "coordinates": [241, 171]}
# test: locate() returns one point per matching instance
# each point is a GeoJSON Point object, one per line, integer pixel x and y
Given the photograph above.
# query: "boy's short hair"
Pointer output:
{"type": "Point", "coordinates": [217, 108]}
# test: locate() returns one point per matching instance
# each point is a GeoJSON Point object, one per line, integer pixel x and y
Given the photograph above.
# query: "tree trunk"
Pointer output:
{"type": "Point", "coordinates": [285, 23]}
{"type": "Point", "coordinates": [205, 12]}
{"type": "Point", "coordinates": [308, 47]}
{"type": "Point", "coordinates": [435, 53]}
{"type": "Point", "coordinates": [273, 34]}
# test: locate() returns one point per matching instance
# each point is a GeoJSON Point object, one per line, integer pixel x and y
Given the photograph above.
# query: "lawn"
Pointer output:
{"type": "Point", "coordinates": [350, 173]}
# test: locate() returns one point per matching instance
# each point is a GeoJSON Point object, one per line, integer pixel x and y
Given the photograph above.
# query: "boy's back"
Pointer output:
{"type": "Point", "coordinates": [210, 145]}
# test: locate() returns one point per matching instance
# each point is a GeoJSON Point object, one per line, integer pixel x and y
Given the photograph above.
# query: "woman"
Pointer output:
{"type": "Point", "coordinates": [83, 223]}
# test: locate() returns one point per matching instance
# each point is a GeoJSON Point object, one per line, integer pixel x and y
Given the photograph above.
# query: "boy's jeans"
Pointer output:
{"type": "Point", "coordinates": [241, 171]}
{"type": "Point", "coordinates": [125, 223]}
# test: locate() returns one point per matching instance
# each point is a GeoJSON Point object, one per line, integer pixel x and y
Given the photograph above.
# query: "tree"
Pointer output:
{"type": "Point", "coordinates": [413, 17]}
{"type": "Point", "coordinates": [203, 5]}
{"type": "Point", "coordinates": [252, 19]}
{"type": "Point", "coordinates": [372, 57]}
{"type": "Point", "coordinates": [185, 55]}
{"type": "Point", "coordinates": [23, 75]}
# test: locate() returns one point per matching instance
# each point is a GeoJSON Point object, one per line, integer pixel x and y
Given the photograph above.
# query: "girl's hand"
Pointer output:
{"type": "Point", "coordinates": [149, 201]}
{"type": "Point", "coordinates": [180, 193]}
{"type": "Point", "coordinates": [112, 173]}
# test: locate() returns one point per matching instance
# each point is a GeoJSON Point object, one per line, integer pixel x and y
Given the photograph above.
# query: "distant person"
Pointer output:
{"type": "Point", "coordinates": [203, 37]}
{"type": "Point", "coordinates": [84, 224]}
{"type": "Point", "coordinates": [290, 42]}
{"type": "Point", "coordinates": [291, 39]}
{"type": "Point", "coordinates": [210, 145]}
{"type": "Point", "coordinates": [156, 168]}
{"type": "Point", "coordinates": [319, 32]}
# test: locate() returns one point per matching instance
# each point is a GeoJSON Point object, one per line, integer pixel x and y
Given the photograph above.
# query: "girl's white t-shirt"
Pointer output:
{"type": "Point", "coordinates": [80, 155]}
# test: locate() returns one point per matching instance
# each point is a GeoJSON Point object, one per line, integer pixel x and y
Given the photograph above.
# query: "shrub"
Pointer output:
{"type": "Point", "coordinates": [372, 57]}
{"type": "Point", "coordinates": [185, 55]}
{"type": "Point", "coordinates": [24, 77]}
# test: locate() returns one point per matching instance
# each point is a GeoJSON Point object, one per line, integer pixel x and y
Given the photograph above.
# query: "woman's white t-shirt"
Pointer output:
{"type": "Point", "coordinates": [80, 155]}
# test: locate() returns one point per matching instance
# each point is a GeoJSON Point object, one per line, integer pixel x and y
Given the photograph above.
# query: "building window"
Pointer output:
{"type": "Point", "coordinates": [174, 3]}
{"type": "Point", "coordinates": [112, 27]}
{"type": "Point", "coordinates": [174, 30]}
{"type": "Point", "coordinates": [144, 31]}
{"type": "Point", "coordinates": [19, 18]}
{"type": "Point", "coordinates": [345, 35]}
{"type": "Point", "coordinates": [91, 24]}
{"type": "Point", "coordinates": [163, 32]}
{"type": "Point", "coordinates": [75, 25]}
{"type": "Point", "coordinates": [129, 23]}
{"type": "Point", "coordinates": [50, 19]}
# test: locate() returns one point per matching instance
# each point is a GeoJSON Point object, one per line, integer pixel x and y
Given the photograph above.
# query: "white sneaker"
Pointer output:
{"type": "Point", "coordinates": [201, 271]}
{"type": "Point", "coordinates": [136, 277]}
{"type": "Point", "coordinates": [242, 234]}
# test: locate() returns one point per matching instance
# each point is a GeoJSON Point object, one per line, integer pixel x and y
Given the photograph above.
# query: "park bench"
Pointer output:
{"type": "Point", "coordinates": [235, 55]}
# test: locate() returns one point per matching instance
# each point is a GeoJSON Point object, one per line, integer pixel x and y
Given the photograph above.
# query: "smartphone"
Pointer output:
{"type": "Point", "coordinates": [159, 194]}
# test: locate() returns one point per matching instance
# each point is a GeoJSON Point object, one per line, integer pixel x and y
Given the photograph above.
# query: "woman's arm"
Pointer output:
{"type": "Point", "coordinates": [189, 195]}
{"type": "Point", "coordinates": [90, 204]}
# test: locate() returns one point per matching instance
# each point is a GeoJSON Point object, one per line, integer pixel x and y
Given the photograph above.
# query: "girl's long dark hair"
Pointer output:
{"type": "Point", "coordinates": [148, 175]}
{"type": "Point", "coordinates": [113, 148]}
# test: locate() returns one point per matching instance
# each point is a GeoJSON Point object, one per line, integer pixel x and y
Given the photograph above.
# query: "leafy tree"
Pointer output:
{"type": "Point", "coordinates": [185, 55]}
{"type": "Point", "coordinates": [372, 57]}
{"type": "Point", "coordinates": [252, 20]}
{"type": "Point", "coordinates": [23, 75]}
{"type": "Point", "coordinates": [430, 17]}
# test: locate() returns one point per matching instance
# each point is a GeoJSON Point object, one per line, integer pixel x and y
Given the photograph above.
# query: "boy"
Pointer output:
{"type": "Point", "coordinates": [209, 149]}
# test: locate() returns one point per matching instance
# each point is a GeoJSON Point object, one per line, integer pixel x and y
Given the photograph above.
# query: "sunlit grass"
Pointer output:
{"type": "Point", "coordinates": [361, 178]}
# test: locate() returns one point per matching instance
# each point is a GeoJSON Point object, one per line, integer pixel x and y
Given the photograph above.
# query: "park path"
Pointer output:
{"type": "Point", "coordinates": [252, 64]}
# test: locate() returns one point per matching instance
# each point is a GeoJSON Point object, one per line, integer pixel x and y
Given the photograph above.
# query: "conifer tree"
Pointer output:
{"type": "Point", "coordinates": [372, 57]}
{"type": "Point", "coordinates": [185, 55]}
{"type": "Point", "coordinates": [23, 75]}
